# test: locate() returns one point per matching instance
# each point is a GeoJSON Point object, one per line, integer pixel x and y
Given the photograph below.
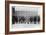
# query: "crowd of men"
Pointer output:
{"type": "Point", "coordinates": [22, 19]}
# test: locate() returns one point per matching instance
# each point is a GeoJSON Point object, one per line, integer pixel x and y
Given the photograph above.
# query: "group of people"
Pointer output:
{"type": "Point", "coordinates": [23, 19]}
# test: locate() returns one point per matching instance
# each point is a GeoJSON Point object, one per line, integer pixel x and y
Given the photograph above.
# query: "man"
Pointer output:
{"type": "Point", "coordinates": [35, 19]}
{"type": "Point", "coordinates": [22, 19]}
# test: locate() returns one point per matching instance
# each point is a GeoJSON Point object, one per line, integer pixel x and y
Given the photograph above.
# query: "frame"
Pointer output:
{"type": "Point", "coordinates": [14, 3]}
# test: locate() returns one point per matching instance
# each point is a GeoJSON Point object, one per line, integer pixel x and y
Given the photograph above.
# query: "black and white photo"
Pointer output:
{"type": "Point", "coordinates": [24, 17]}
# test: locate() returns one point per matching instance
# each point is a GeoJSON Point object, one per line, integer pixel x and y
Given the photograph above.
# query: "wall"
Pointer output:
{"type": "Point", "coordinates": [28, 0]}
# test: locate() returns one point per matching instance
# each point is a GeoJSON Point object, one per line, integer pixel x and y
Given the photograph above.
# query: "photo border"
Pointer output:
{"type": "Point", "coordinates": [7, 17]}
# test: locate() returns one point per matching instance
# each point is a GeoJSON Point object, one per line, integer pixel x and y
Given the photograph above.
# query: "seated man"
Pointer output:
{"type": "Point", "coordinates": [35, 19]}
{"type": "Point", "coordinates": [38, 19]}
{"type": "Point", "coordinates": [14, 19]}
{"type": "Point", "coordinates": [22, 19]}
{"type": "Point", "coordinates": [31, 19]}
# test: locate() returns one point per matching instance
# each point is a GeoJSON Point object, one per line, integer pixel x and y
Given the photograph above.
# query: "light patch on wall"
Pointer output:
{"type": "Point", "coordinates": [28, 0]}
